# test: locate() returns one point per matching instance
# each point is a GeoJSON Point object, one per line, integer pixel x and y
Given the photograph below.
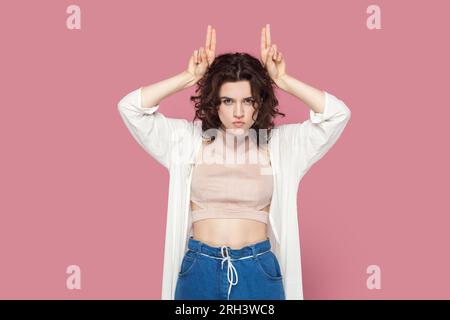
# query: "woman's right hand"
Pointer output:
{"type": "Point", "coordinates": [201, 59]}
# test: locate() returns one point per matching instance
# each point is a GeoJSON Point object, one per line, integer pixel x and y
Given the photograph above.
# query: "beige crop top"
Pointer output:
{"type": "Point", "coordinates": [232, 189]}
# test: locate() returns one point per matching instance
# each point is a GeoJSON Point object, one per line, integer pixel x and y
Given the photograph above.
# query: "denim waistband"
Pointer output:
{"type": "Point", "coordinates": [220, 252]}
{"type": "Point", "coordinates": [227, 254]}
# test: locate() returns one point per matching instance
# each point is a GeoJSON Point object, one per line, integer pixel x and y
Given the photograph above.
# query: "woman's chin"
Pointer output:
{"type": "Point", "coordinates": [237, 131]}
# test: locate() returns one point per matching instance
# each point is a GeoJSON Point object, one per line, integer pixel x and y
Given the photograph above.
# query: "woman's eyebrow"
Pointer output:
{"type": "Point", "coordinates": [233, 99]}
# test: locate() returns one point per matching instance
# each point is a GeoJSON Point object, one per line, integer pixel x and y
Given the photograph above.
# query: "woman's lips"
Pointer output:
{"type": "Point", "coordinates": [238, 124]}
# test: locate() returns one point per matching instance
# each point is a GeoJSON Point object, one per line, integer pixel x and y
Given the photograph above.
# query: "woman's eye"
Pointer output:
{"type": "Point", "coordinates": [246, 101]}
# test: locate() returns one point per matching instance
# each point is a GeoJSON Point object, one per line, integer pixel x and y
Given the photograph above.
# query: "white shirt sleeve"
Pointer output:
{"type": "Point", "coordinates": [312, 138]}
{"type": "Point", "coordinates": [154, 132]}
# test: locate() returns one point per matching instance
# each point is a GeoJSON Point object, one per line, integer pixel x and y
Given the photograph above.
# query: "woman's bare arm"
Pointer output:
{"type": "Point", "coordinates": [154, 93]}
{"type": "Point", "coordinates": [155, 132]}
{"type": "Point", "coordinates": [314, 98]}
{"type": "Point", "coordinates": [198, 63]}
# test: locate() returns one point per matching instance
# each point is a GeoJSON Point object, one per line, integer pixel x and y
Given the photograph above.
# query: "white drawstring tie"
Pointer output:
{"type": "Point", "coordinates": [231, 269]}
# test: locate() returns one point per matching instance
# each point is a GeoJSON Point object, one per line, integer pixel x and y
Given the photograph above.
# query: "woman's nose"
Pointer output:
{"type": "Point", "coordinates": [238, 110]}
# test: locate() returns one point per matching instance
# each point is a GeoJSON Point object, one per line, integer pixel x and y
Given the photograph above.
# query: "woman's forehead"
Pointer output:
{"type": "Point", "coordinates": [240, 89]}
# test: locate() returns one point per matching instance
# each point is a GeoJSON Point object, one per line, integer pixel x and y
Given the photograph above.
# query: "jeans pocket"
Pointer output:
{"type": "Point", "coordinates": [189, 259]}
{"type": "Point", "coordinates": [268, 265]}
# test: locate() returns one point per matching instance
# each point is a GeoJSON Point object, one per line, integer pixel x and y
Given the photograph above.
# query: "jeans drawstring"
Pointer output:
{"type": "Point", "coordinates": [231, 271]}
{"type": "Point", "coordinates": [232, 274]}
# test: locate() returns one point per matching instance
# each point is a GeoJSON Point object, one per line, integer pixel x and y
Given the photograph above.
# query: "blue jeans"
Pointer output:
{"type": "Point", "coordinates": [222, 273]}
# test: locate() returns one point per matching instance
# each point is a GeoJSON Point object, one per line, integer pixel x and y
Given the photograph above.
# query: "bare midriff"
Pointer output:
{"type": "Point", "coordinates": [235, 233]}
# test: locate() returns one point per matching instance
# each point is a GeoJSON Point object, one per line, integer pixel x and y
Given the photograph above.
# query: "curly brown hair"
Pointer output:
{"type": "Point", "coordinates": [233, 67]}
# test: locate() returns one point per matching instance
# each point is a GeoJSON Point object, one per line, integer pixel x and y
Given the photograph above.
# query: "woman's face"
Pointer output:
{"type": "Point", "coordinates": [236, 106]}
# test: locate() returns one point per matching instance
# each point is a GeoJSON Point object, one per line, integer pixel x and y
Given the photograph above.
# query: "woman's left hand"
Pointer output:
{"type": "Point", "coordinates": [271, 58]}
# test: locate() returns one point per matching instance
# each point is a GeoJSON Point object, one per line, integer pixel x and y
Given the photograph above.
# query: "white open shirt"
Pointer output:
{"type": "Point", "coordinates": [293, 149]}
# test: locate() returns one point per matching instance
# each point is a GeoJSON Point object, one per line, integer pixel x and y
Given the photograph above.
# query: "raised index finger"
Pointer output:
{"type": "Point", "coordinates": [213, 40]}
{"type": "Point", "coordinates": [268, 35]}
{"type": "Point", "coordinates": [208, 37]}
{"type": "Point", "coordinates": [263, 39]}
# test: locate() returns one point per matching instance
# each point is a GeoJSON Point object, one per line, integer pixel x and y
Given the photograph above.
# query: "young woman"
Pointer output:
{"type": "Point", "coordinates": [232, 229]}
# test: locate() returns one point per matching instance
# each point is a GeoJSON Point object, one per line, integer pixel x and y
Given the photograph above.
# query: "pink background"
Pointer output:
{"type": "Point", "coordinates": [76, 188]}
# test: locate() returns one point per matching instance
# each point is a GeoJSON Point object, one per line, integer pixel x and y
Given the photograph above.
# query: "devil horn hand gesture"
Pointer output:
{"type": "Point", "coordinates": [271, 58]}
{"type": "Point", "coordinates": [201, 59]}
